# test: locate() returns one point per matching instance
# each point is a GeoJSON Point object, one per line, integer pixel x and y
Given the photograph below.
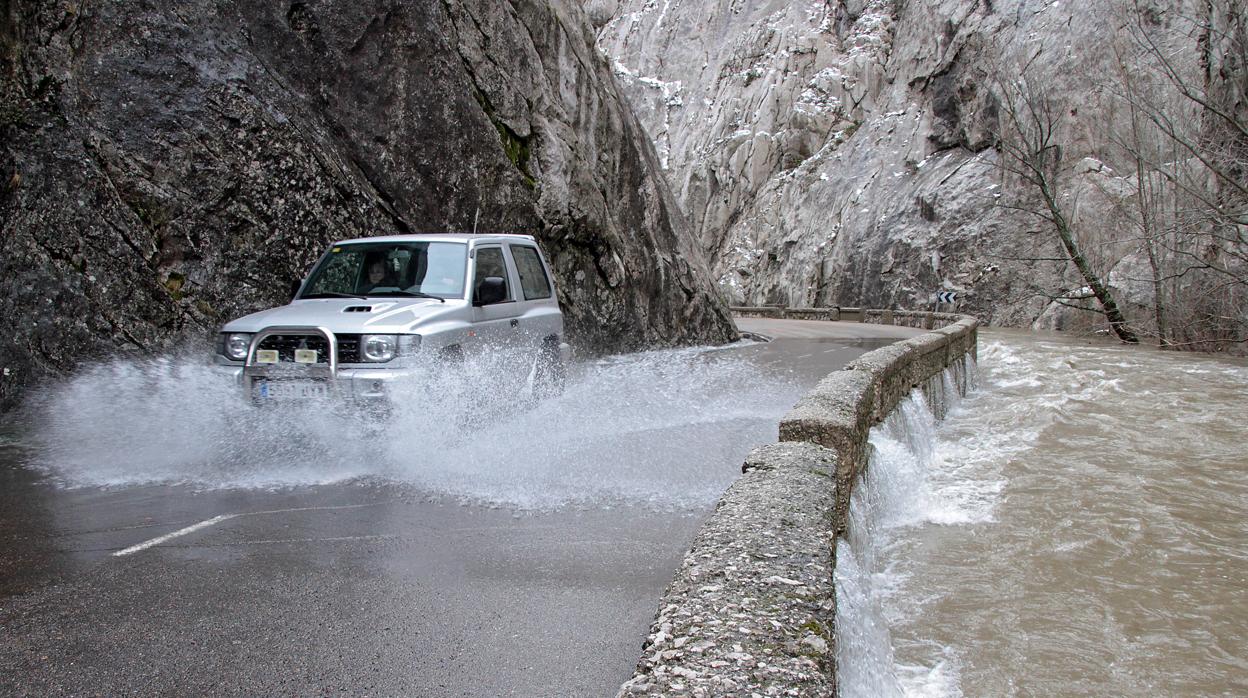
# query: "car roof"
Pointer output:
{"type": "Point", "coordinates": [444, 237]}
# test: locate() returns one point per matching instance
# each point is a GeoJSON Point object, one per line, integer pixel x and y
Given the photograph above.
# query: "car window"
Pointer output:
{"type": "Point", "coordinates": [490, 263]}
{"type": "Point", "coordinates": [533, 280]}
{"type": "Point", "coordinates": [338, 273]}
{"type": "Point", "coordinates": [444, 271]}
{"type": "Point", "coordinates": [393, 269]}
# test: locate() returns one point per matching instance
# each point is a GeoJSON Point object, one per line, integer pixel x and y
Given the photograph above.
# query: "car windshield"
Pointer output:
{"type": "Point", "coordinates": [396, 269]}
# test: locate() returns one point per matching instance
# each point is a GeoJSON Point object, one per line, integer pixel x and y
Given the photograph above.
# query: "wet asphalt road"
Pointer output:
{"type": "Point", "coordinates": [353, 589]}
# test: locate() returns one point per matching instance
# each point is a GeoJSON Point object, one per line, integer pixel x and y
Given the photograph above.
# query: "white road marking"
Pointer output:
{"type": "Point", "coordinates": [225, 517]}
{"type": "Point", "coordinates": [170, 536]}
{"type": "Point", "coordinates": [328, 508]}
{"type": "Point", "coordinates": [338, 539]}
{"type": "Point", "coordinates": [805, 356]}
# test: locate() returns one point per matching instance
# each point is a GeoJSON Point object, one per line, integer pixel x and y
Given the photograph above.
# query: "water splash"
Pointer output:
{"type": "Point", "coordinates": [665, 429]}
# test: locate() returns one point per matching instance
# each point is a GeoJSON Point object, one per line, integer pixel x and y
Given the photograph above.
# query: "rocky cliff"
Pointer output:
{"type": "Point", "coordinates": [169, 166]}
{"type": "Point", "coordinates": [848, 151]}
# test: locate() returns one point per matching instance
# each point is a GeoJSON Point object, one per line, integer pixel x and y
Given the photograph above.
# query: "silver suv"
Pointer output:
{"type": "Point", "coordinates": [374, 310]}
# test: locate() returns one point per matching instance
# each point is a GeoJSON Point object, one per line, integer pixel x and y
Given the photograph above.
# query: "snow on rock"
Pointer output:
{"type": "Point", "coordinates": [880, 141]}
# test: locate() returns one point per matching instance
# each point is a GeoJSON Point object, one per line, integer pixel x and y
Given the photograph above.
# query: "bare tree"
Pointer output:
{"type": "Point", "coordinates": [1030, 140]}
{"type": "Point", "coordinates": [1187, 139]}
{"type": "Point", "coordinates": [1153, 209]}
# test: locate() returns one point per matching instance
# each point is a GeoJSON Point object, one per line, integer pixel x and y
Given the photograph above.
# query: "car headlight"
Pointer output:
{"type": "Point", "coordinates": [234, 345]}
{"type": "Point", "coordinates": [379, 347]}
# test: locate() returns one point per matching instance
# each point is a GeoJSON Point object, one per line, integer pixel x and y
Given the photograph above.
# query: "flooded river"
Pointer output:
{"type": "Point", "coordinates": [1078, 525]}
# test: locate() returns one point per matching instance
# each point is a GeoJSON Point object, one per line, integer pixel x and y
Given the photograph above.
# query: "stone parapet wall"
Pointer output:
{"type": "Point", "coordinates": [780, 312]}
{"type": "Point", "coordinates": [840, 411]}
{"type": "Point", "coordinates": [752, 608]}
{"type": "Point", "coordinates": [907, 318]}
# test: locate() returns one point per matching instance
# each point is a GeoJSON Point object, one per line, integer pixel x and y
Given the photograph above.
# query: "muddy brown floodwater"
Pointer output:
{"type": "Point", "coordinates": [1078, 525]}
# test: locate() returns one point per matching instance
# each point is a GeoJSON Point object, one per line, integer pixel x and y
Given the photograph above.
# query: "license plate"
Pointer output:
{"type": "Point", "coordinates": [291, 390]}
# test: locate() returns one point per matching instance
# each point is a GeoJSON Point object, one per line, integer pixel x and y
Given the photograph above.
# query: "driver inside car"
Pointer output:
{"type": "Point", "coordinates": [377, 276]}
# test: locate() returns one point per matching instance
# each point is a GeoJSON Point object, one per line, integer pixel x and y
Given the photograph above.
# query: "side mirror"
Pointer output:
{"type": "Point", "coordinates": [490, 290]}
{"type": "Point", "coordinates": [294, 288]}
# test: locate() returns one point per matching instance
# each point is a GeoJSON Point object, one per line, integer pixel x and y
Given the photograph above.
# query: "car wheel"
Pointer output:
{"type": "Point", "coordinates": [551, 371]}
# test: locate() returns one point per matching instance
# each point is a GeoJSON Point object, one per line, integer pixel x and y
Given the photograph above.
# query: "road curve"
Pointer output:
{"type": "Point", "coordinates": [360, 587]}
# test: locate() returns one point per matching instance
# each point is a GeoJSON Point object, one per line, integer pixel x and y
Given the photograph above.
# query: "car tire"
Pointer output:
{"type": "Point", "coordinates": [551, 371]}
{"type": "Point", "coordinates": [450, 357]}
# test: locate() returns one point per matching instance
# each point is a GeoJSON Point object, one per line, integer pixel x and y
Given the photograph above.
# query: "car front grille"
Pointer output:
{"type": "Point", "coordinates": [286, 344]}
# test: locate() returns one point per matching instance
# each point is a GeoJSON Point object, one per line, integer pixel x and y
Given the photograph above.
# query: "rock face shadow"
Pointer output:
{"type": "Point", "coordinates": [201, 173]}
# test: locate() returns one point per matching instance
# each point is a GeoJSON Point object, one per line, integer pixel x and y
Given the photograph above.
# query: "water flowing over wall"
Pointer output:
{"type": "Point", "coordinates": [840, 411]}
{"type": "Point", "coordinates": [1075, 526]}
{"type": "Point", "coordinates": [753, 606]}
{"type": "Point", "coordinates": [894, 489]}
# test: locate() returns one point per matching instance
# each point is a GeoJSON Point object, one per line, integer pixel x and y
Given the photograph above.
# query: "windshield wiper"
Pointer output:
{"type": "Point", "coordinates": [333, 294]}
{"type": "Point", "coordinates": [412, 294]}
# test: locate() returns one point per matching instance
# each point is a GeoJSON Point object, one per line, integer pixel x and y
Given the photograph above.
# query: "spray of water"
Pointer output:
{"type": "Point", "coordinates": [665, 429]}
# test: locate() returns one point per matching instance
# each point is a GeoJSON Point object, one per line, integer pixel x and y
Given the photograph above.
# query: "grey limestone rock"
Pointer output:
{"type": "Point", "coordinates": [168, 166]}
{"type": "Point", "coordinates": [844, 153]}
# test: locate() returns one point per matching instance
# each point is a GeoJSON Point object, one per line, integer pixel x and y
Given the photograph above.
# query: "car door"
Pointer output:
{"type": "Point", "coordinates": [540, 319]}
{"type": "Point", "coordinates": [495, 326]}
